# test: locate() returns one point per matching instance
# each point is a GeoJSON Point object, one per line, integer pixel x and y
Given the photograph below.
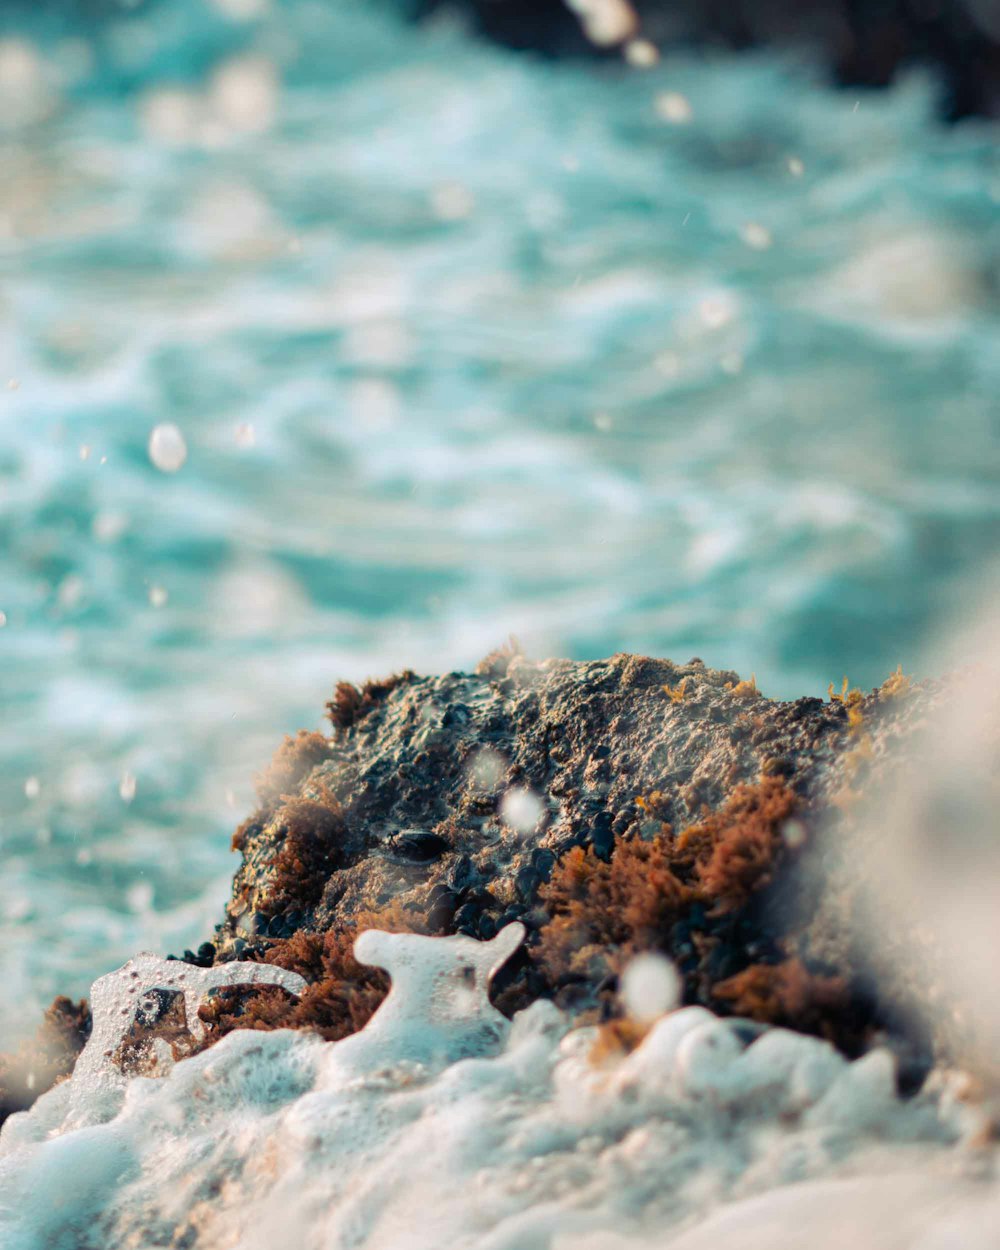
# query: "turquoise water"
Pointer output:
{"type": "Point", "coordinates": [693, 360]}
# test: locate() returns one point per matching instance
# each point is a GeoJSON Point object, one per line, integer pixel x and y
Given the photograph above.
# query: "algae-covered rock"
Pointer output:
{"type": "Point", "coordinates": [613, 806]}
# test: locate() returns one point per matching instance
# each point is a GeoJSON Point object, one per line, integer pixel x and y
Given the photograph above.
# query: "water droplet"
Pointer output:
{"type": "Point", "coordinates": [650, 986]}
{"type": "Point", "coordinates": [668, 363]}
{"type": "Point", "coordinates": [756, 236]}
{"type": "Point", "coordinates": [521, 810]}
{"type": "Point", "coordinates": [70, 591]}
{"type": "Point", "coordinates": [171, 116]}
{"type": "Point", "coordinates": [487, 769]}
{"type": "Point", "coordinates": [139, 897]}
{"type": "Point", "coordinates": [717, 310]}
{"type": "Point", "coordinates": [244, 94]}
{"type": "Point", "coordinates": [641, 53]}
{"type": "Point", "coordinates": [108, 526]}
{"type": "Point", "coordinates": [242, 10]}
{"type": "Point", "coordinates": [167, 448]}
{"type": "Point", "coordinates": [605, 22]}
{"type": "Point", "coordinates": [451, 201]}
{"type": "Point", "coordinates": [794, 834]}
{"type": "Point", "coordinates": [674, 108]}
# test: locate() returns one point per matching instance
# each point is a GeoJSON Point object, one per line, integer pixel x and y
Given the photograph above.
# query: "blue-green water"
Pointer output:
{"type": "Point", "coordinates": [461, 345]}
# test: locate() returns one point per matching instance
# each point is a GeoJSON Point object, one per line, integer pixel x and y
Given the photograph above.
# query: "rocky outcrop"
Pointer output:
{"type": "Point", "coordinates": [612, 806]}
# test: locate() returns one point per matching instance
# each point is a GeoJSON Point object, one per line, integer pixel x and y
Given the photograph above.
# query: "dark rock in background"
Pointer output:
{"type": "Point", "coordinates": [862, 42]}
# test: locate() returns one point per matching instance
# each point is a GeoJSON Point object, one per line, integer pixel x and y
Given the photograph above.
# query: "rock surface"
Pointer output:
{"type": "Point", "coordinates": [425, 770]}
{"type": "Point", "coordinates": [611, 806]}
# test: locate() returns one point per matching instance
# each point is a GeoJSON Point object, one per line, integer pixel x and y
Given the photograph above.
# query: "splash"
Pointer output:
{"type": "Point", "coordinates": [137, 995]}
{"type": "Point", "coordinates": [437, 1010]}
{"type": "Point", "coordinates": [441, 1125]}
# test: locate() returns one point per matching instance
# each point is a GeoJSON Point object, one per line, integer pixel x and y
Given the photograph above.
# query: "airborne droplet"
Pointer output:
{"type": "Point", "coordinates": [167, 448]}
{"type": "Point", "coordinates": [650, 986]}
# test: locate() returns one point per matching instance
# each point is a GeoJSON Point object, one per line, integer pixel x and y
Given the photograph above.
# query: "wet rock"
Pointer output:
{"type": "Point", "coordinates": [680, 810]}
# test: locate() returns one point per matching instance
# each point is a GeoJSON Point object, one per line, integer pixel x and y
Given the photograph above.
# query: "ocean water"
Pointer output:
{"type": "Point", "coordinates": [699, 359]}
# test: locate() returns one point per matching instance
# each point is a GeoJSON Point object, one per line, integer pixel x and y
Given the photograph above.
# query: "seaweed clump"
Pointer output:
{"type": "Point", "coordinates": [293, 761]}
{"type": "Point", "coordinates": [310, 831]}
{"type": "Point", "coordinates": [342, 996]}
{"type": "Point", "coordinates": [351, 704]}
{"type": "Point", "coordinates": [703, 898]}
{"type": "Point", "coordinates": [789, 995]}
{"type": "Point", "coordinates": [304, 818]}
{"type": "Point", "coordinates": [45, 1060]}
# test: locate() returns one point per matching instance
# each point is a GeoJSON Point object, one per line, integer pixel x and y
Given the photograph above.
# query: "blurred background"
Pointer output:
{"type": "Point", "coordinates": [339, 336]}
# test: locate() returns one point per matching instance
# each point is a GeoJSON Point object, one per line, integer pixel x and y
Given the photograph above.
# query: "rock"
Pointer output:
{"type": "Point", "coordinates": [863, 44]}
{"type": "Point", "coordinates": [673, 807]}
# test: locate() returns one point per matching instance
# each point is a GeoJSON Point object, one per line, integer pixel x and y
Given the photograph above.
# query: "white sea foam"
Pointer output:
{"type": "Point", "coordinates": [440, 1126]}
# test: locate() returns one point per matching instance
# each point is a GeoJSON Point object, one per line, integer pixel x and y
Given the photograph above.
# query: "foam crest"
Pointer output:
{"type": "Point", "coordinates": [440, 1126]}
{"type": "Point", "coordinates": [138, 996]}
{"type": "Point", "coordinates": [438, 1009]}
